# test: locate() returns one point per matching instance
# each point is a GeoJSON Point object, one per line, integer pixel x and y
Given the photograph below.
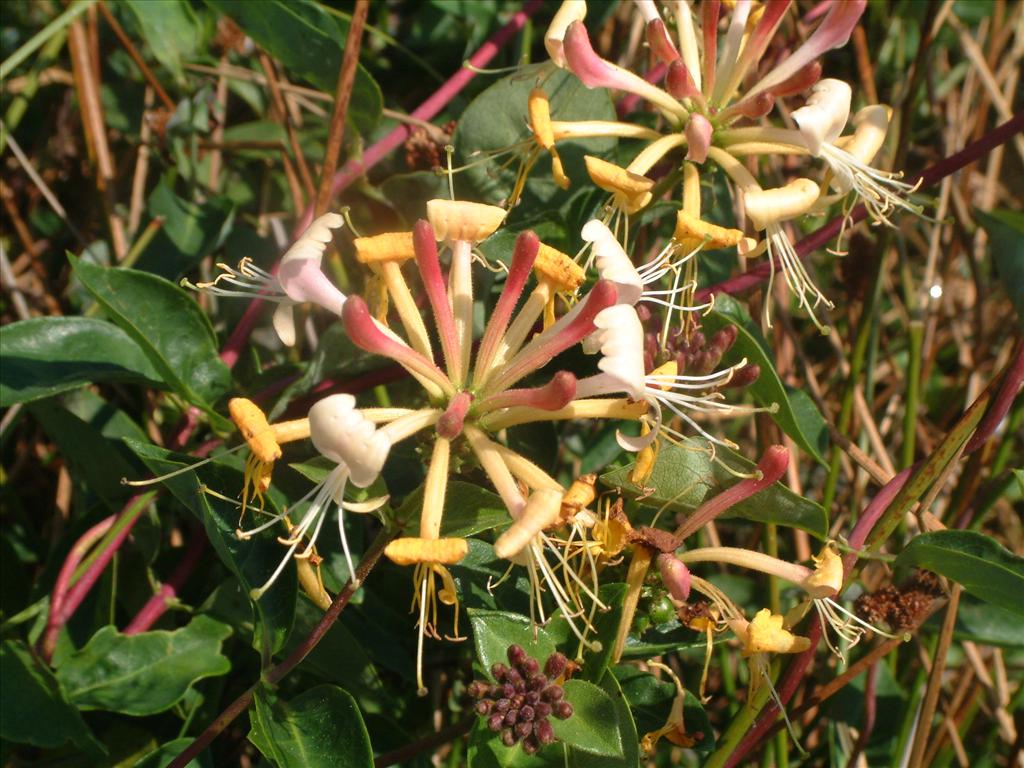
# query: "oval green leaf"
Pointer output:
{"type": "Point", "coordinates": [146, 673]}
{"type": "Point", "coordinates": [48, 355]}
{"type": "Point", "coordinates": [982, 566]}
{"type": "Point", "coordinates": [165, 323]}
{"type": "Point", "coordinates": [797, 415]}
{"type": "Point", "coordinates": [321, 728]}
{"type": "Point", "coordinates": [593, 726]}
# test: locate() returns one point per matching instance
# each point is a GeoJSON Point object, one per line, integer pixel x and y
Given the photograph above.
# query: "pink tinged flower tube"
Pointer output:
{"type": "Point", "coordinates": [757, 42]}
{"type": "Point", "coordinates": [301, 278]}
{"type": "Point", "coordinates": [366, 334]}
{"type": "Point", "coordinates": [557, 338]}
{"type": "Point", "coordinates": [698, 138]}
{"type": "Point", "coordinates": [554, 395]}
{"type": "Point", "coordinates": [675, 576]}
{"type": "Point", "coordinates": [771, 468]}
{"type": "Point", "coordinates": [595, 72]}
{"type": "Point", "coordinates": [568, 12]}
{"type": "Point", "coordinates": [709, 26]}
{"type": "Point", "coordinates": [679, 81]}
{"type": "Point", "coordinates": [523, 256]}
{"type": "Point", "coordinates": [425, 246]}
{"type": "Point", "coordinates": [660, 42]}
{"type": "Point", "coordinates": [833, 32]}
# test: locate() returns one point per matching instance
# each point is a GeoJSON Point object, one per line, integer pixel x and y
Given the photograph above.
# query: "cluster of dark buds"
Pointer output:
{"type": "Point", "coordinates": [522, 699]}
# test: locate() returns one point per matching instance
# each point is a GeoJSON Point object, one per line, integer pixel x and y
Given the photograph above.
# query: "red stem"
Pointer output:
{"type": "Point", "coordinates": [969, 154]}
{"type": "Point", "coordinates": [161, 601]}
{"type": "Point", "coordinates": [60, 588]}
{"type": "Point", "coordinates": [354, 169]}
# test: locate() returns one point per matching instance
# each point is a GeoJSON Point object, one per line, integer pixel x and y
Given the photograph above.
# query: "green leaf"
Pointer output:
{"type": "Point", "coordinates": [189, 232]}
{"type": "Point", "coordinates": [83, 445]}
{"type": "Point", "coordinates": [606, 628]}
{"type": "Point", "coordinates": [588, 729]}
{"type": "Point", "coordinates": [170, 29]}
{"type": "Point", "coordinates": [321, 728]}
{"type": "Point", "coordinates": [47, 355]}
{"type": "Point", "coordinates": [498, 119]}
{"type": "Point", "coordinates": [797, 415]}
{"type": "Point", "coordinates": [167, 325]}
{"type": "Point", "coordinates": [650, 701]}
{"type": "Point", "coordinates": [470, 509]}
{"type": "Point", "coordinates": [308, 42]}
{"type": "Point", "coordinates": [685, 476]}
{"type": "Point", "coordinates": [627, 733]}
{"type": "Point", "coordinates": [146, 673]}
{"type": "Point", "coordinates": [495, 631]}
{"type": "Point", "coordinates": [485, 750]}
{"type": "Point", "coordinates": [253, 560]}
{"type": "Point", "coordinates": [981, 565]}
{"type": "Point", "coordinates": [35, 709]}
{"type": "Point", "coordinates": [1006, 234]}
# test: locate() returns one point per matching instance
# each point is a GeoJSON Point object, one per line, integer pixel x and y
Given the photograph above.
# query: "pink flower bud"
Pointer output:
{"type": "Point", "coordinates": [675, 576]}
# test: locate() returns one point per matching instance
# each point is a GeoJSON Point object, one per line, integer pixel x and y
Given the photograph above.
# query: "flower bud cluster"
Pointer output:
{"type": "Point", "coordinates": [522, 699]}
{"type": "Point", "coordinates": [697, 355]}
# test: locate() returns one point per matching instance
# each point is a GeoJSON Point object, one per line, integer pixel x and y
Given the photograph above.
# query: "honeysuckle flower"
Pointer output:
{"type": "Point", "coordinates": [299, 278]}
{"type": "Point", "coordinates": [768, 209]}
{"type": "Point", "coordinates": [568, 12]}
{"type": "Point", "coordinates": [631, 191]}
{"type": "Point", "coordinates": [823, 117]}
{"type": "Point", "coordinates": [674, 728]}
{"type": "Point", "coordinates": [822, 585]}
{"type": "Point", "coordinates": [264, 441]}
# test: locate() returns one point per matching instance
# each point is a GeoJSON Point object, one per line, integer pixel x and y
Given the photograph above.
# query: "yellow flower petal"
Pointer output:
{"type": "Point", "coordinates": [462, 220]}
{"type": "Point", "coordinates": [389, 246]}
{"type": "Point", "coordinates": [827, 578]}
{"type": "Point", "coordinates": [558, 269]}
{"type": "Point", "coordinates": [409, 551]}
{"type": "Point", "coordinates": [765, 634]}
{"type": "Point", "coordinates": [691, 232]}
{"type": "Point", "coordinates": [254, 427]}
{"type": "Point", "coordinates": [632, 191]}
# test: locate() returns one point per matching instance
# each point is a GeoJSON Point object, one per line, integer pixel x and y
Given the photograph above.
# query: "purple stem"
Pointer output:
{"type": "Point", "coordinates": [820, 237]}
{"type": "Point", "coordinates": [159, 603]}
{"type": "Point", "coordinates": [353, 169]}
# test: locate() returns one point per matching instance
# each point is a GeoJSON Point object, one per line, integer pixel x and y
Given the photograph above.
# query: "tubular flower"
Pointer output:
{"type": "Point", "coordinates": [768, 209]}
{"type": "Point", "coordinates": [299, 279]}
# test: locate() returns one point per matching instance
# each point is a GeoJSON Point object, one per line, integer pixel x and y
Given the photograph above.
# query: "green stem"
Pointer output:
{"type": "Point", "coordinates": [19, 104]}
{"type": "Point", "coordinates": [39, 38]}
{"type": "Point", "coordinates": [916, 343]}
{"type": "Point", "coordinates": [867, 321]}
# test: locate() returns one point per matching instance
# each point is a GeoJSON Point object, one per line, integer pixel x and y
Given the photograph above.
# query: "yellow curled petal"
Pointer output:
{"type": "Point", "coordinates": [389, 246]}
{"type": "Point", "coordinates": [632, 191]}
{"type": "Point", "coordinates": [766, 206]}
{"type": "Point", "coordinates": [872, 123]}
{"type": "Point", "coordinates": [254, 427]}
{"type": "Point", "coordinates": [827, 578]}
{"type": "Point", "coordinates": [410, 551]}
{"type": "Point", "coordinates": [665, 374]}
{"type": "Point", "coordinates": [645, 459]}
{"type": "Point", "coordinates": [766, 635]}
{"type": "Point", "coordinates": [691, 232]}
{"type": "Point", "coordinates": [558, 269]}
{"type": "Point", "coordinates": [580, 495]}
{"type": "Point", "coordinates": [462, 220]}
{"type": "Point", "coordinates": [540, 118]}
{"type": "Point", "coordinates": [542, 510]}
